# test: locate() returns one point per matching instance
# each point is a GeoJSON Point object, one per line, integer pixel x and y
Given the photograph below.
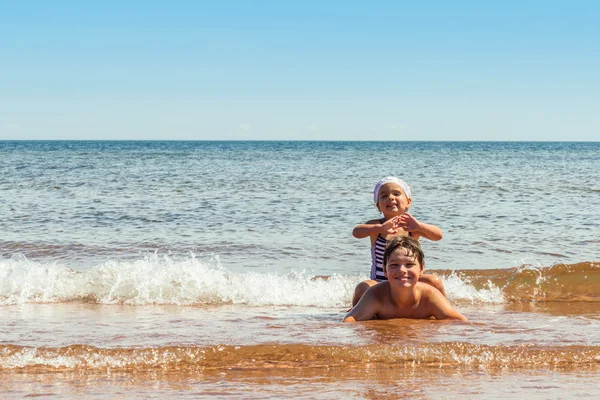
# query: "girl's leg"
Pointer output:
{"type": "Point", "coordinates": [434, 281]}
{"type": "Point", "coordinates": [360, 289]}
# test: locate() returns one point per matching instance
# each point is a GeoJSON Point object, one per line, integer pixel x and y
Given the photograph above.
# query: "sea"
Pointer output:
{"type": "Point", "coordinates": [223, 269]}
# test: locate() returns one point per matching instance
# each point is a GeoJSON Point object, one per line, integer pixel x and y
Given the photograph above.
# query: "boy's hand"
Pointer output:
{"type": "Point", "coordinates": [407, 222]}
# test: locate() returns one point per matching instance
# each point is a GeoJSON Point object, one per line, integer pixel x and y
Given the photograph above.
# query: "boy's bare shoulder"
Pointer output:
{"type": "Point", "coordinates": [428, 292]}
{"type": "Point", "coordinates": [380, 291]}
{"type": "Point", "coordinates": [437, 304]}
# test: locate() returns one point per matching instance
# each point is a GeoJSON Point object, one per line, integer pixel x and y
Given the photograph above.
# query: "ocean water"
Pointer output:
{"type": "Point", "coordinates": [220, 269]}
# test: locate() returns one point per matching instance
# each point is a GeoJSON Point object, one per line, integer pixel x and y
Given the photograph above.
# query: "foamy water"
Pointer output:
{"type": "Point", "coordinates": [164, 280]}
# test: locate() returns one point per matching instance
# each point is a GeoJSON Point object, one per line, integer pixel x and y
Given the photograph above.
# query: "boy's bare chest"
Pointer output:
{"type": "Point", "coordinates": [391, 311]}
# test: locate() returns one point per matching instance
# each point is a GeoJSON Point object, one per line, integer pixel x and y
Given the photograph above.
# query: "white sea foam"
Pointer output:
{"type": "Point", "coordinates": [162, 279]}
{"type": "Point", "coordinates": [459, 289]}
{"type": "Point", "coordinates": [26, 281]}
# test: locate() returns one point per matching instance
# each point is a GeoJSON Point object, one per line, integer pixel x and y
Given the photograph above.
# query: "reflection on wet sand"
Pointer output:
{"type": "Point", "coordinates": [398, 331]}
{"type": "Point", "coordinates": [370, 382]}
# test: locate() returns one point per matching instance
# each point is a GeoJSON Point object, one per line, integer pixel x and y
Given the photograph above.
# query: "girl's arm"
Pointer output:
{"type": "Point", "coordinates": [411, 224]}
{"type": "Point", "coordinates": [373, 228]}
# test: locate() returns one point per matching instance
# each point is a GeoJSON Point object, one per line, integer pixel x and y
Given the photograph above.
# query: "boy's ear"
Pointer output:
{"type": "Point", "coordinates": [422, 269]}
{"type": "Point", "coordinates": [384, 270]}
{"type": "Point", "coordinates": [409, 202]}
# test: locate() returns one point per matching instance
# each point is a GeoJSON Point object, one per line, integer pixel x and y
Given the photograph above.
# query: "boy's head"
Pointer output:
{"type": "Point", "coordinates": [410, 245]}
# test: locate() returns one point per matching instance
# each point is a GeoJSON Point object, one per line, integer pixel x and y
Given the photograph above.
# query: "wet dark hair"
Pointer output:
{"type": "Point", "coordinates": [411, 245]}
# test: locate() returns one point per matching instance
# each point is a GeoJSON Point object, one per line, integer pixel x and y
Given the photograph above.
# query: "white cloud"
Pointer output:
{"type": "Point", "coordinates": [399, 127]}
{"type": "Point", "coordinates": [11, 127]}
{"type": "Point", "coordinates": [245, 127]}
{"type": "Point", "coordinates": [312, 127]}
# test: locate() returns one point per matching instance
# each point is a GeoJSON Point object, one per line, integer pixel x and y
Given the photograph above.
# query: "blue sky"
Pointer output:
{"type": "Point", "coordinates": [300, 70]}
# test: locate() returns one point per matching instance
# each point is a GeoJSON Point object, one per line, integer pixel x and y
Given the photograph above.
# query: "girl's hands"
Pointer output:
{"type": "Point", "coordinates": [406, 222]}
{"type": "Point", "coordinates": [409, 223]}
{"type": "Point", "coordinates": [390, 226]}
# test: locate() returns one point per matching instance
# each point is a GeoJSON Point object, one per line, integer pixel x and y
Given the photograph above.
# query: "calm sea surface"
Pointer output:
{"type": "Point", "coordinates": [186, 269]}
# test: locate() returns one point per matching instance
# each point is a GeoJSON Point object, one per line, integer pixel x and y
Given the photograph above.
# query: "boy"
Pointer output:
{"type": "Point", "coordinates": [402, 295]}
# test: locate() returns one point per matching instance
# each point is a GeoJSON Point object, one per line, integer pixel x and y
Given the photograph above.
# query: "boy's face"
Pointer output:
{"type": "Point", "coordinates": [403, 268]}
{"type": "Point", "coordinates": [392, 200]}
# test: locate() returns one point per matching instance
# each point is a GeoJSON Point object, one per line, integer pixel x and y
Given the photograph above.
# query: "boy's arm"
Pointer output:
{"type": "Point", "coordinates": [366, 308]}
{"type": "Point", "coordinates": [441, 307]}
{"type": "Point", "coordinates": [373, 228]}
{"type": "Point", "coordinates": [411, 224]}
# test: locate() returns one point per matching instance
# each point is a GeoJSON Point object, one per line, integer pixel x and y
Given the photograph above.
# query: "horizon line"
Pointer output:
{"type": "Point", "coordinates": [298, 140]}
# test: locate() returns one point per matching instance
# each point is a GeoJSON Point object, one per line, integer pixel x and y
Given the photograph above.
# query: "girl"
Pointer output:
{"type": "Point", "coordinates": [392, 198]}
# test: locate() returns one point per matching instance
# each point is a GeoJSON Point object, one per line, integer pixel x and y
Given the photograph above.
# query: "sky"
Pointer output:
{"type": "Point", "coordinates": [300, 70]}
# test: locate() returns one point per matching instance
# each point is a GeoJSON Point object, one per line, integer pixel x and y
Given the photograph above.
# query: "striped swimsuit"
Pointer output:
{"type": "Point", "coordinates": [377, 259]}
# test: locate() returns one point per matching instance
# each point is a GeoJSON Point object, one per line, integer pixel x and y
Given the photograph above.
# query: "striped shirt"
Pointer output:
{"type": "Point", "coordinates": [377, 258]}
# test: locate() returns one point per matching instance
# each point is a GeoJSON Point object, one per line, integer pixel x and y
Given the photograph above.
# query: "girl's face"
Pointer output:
{"type": "Point", "coordinates": [392, 200]}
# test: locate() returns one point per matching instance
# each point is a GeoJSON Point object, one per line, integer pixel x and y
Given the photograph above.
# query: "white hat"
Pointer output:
{"type": "Point", "coordinates": [390, 179]}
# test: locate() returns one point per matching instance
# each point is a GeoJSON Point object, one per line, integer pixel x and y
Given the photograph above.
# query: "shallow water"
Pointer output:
{"type": "Point", "coordinates": [222, 269]}
{"type": "Point", "coordinates": [280, 206]}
